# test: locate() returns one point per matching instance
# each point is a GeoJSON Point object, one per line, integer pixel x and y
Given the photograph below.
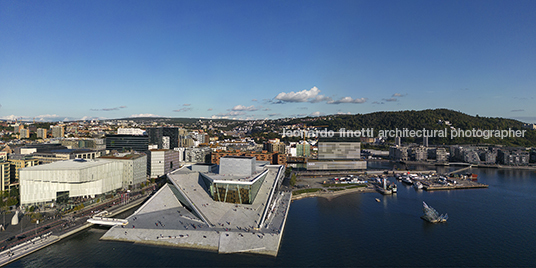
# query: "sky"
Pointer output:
{"type": "Point", "coordinates": [67, 60]}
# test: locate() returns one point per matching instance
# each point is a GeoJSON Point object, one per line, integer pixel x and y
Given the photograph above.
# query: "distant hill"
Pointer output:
{"type": "Point", "coordinates": [427, 119]}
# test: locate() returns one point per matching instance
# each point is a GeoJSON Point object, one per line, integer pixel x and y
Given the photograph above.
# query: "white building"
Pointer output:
{"type": "Point", "coordinates": [134, 168]}
{"type": "Point", "coordinates": [79, 177]}
{"type": "Point", "coordinates": [131, 131]}
{"type": "Point", "coordinates": [162, 161]}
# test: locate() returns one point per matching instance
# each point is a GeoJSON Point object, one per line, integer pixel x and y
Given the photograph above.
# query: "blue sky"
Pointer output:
{"type": "Point", "coordinates": [265, 59]}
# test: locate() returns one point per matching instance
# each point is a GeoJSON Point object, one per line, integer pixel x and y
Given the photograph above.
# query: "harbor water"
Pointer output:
{"type": "Point", "coordinates": [486, 227]}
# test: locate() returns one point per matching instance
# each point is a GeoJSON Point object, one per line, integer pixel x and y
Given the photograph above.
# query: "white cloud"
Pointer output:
{"type": "Point", "coordinates": [186, 104]}
{"type": "Point", "coordinates": [320, 98]}
{"type": "Point", "coordinates": [399, 95]}
{"type": "Point", "coordinates": [348, 100]}
{"type": "Point", "coordinates": [343, 113]}
{"type": "Point", "coordinates": [47, 116]}
{"type": "Point", "coordinates": [109, 109]}
{"type": "Point", "coordinates": [232, 113]}
{"type": "Point", "coordinates": [12, 117]}
{"type": "Point", "coordinates": [145, 115]}
{"type": "Point", "coordinates": [313, 96]}
{"type": "Point", "coordinates": [244, 108]}
{"type": "Point", "coordinates": [251, 100]}
{"type": "Point", "coordinates": [219, 117]}
{"type": "Point", "coordinates": [93, 117]}
{"type": "Point", "coordinates": [183, 110]}
{"type": "Point", "coordinates": [300, 96]}
{"type": "Point", "coordinates": [317, 113]}
{"type": "Point", "coordinates": [390, 99]}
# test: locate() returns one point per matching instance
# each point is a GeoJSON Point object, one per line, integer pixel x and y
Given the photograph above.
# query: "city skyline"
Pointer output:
{"type": "Point", "coordinates": [270, 59]}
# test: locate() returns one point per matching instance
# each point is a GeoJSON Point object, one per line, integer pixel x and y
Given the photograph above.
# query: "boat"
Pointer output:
{"type": "Point", "coordinates": [393, 188]}
{"type": "Point", "coordinates": [377, 200]}
{"type": "Point", "coordinates": [431, 215]}
{"type": "Point", "coordinates": [407, 180]}
{"type": "Point", "coordinates": [417, 185]}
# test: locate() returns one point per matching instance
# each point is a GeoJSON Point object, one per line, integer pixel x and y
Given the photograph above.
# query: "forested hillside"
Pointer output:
{"type": "Point", "coordinates": [427, 119]}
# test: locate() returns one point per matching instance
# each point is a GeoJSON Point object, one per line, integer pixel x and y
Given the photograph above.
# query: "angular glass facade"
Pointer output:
{"type": "Point", "coordinates": [237, 193]}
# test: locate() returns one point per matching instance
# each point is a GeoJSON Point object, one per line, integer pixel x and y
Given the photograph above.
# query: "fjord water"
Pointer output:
{"type": "Point", "coordinates": [486, 227]}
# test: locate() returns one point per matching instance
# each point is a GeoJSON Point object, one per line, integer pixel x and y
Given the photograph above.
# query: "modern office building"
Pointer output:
{"type": "Point", "coordinates": [161, 162]}
{"type": "Point", "coordinates": [303, 150]}
{"type": "Point", "coordinates": [125, 143]}
{"type": "Point", "coordinates": [131, 131]}
{"type": "Point", "coordinates": [134, 168]}
{"type": "Point", "coordinates": [339, 150]}
{"type": "Point", "coordinates": [321, 165]}
{"type": "Point", "coordinates": [164, 137]}
{"type": "Point", "coordinates": [196, 154]}
{"type": "Point", "coordinates": [334, 155]}
{"type": "Point", "coordinates": [43, 184]}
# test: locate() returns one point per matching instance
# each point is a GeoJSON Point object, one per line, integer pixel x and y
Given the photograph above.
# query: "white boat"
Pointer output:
{"type": "Point", "coordinates": [417, 185]}
{"type": "Point", "coordinates": [407, 180]}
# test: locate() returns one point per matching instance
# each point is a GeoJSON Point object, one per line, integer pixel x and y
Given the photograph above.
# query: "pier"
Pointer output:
{"type": "Point", "coordinates": [461, 169]}
{"type": "Point", "coordinates": [476, 185]}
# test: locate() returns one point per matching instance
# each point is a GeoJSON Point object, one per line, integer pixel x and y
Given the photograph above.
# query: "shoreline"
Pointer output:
{"type": "Point", "coordinates": [45, 242]}
{"type": "Point", "coordinates": [448, 164]}
{"type": "Point", "coordinates": [333, 194]}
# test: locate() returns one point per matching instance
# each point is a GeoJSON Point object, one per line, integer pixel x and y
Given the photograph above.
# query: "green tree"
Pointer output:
{"type": "Point", "coordinates": [293, 180]}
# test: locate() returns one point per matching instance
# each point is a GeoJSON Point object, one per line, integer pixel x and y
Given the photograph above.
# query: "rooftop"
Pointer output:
{"type": "Point", "coordinates": [124, 156]}
{"type": "Point", "coordinates": [183, 214]}
{"type": "Point", "coordinates": [74, 164]}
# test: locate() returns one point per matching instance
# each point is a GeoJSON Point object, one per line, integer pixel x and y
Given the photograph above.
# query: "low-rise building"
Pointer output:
{"type": "Point", "coordinates": [134, 168]}
{"type": "Point", "coordinates": [43, 184]}
{"type": "Point", "coordinates": [161, 162]}
{"type": "Point", "coordinates": [17, 162]}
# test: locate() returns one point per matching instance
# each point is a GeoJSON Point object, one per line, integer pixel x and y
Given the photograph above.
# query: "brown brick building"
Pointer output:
{"type": "Point", "coordinates": [273, 158]}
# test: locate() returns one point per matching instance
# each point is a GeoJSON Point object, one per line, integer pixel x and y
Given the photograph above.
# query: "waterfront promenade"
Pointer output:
{"type": "Point", "coordinates": [16, 244]}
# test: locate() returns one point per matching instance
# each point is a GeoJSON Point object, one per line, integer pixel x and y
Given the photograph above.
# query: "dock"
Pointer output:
{"type": "Point", "coordinates": [454, 187]}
